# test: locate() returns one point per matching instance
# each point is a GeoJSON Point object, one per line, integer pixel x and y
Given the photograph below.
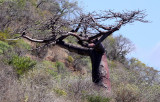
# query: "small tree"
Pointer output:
{"type": "Point", "coordinates": [90, 32]}
{"type": "Point", "coordinates": [118, 47]}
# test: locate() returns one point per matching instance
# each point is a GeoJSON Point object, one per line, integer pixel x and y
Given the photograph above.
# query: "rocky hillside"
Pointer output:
{"type": "Point", "coordinates": [58, 75]}
{"type": "Point", "coordinates": [32, 72]}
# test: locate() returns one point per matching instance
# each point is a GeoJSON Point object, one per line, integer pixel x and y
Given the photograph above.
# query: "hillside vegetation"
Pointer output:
{"type": "Point", "coordinates": [51, 74]}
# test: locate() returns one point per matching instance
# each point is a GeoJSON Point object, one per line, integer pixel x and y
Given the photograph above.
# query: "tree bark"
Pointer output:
{"type": "Point", "coordinates": [100, 70]}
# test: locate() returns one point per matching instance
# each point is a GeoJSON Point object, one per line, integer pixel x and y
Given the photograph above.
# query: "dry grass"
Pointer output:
{"type": "Point", "coordinates": [35, 87]}
{"type": "Point", "coordinates": [39, 86]}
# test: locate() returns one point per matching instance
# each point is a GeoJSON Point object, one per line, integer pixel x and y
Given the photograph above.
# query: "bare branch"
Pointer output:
{"type": "Point", "coordinates": [33, 40]}
{"type": "Point", "coordinates": [86, 25]}
{"type": "Point", "coordinates": [74, 48]}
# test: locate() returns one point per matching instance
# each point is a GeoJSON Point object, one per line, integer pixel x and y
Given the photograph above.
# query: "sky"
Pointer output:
{"type": "Point", "coordinates": [145, 36]}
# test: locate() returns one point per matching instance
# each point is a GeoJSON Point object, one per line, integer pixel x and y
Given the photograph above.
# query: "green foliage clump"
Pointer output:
{"type": "Point", "coordinates": [3, 36]}
{"type": "Point", "coordinates": [51, 68]}
{"type": "Point", "coordinates": [60, 92]}
{"type": "Point", "coordinates": [21, 64]}
{"type": "Point", "coordinates": [1, 1]}
{"type": "Point", "coordinates": [21, 3]}
{"type": "Point", "coordinates": [49, 64]}
{"type": "Point", "coordinates": [92, 98]}
{"type": "Point", "coordinates": [135, 62]}
{"type": "Point", "coordinates": [60, 67]}
{"type": "Point", "coordinates": [52, 72]}
{"type": "Point", "coordinates": [70, 59]}
{"type": "Point", "coordinates": [33, 2]}
{"type": "Point", "coordinates": [127, 93]}
{"type": "Point", "coordinates": [26, 98]}
{"type": "Point", "coordinates": [4, 47]}
{"type": "Point", "coordinates": [21, 44]}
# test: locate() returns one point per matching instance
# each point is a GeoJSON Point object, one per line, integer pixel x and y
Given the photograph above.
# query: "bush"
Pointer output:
{"type": "Point", "coordinates": [21, 64]}
{"type": "Point", "coordinates": [127, 93]}
{"type": "Point", "coordinates": [4, 47]}
{"type": "Point", "coordinates": [92, 98]}
{"type": "Point", "coordinates": [20, 44]}
{"type": "Point", "coordinates": [3, 36]}
{"type": "Point", "coordinates": [70, 59]}
{"type": "Point", "coordinates": [60, 67]}
{"type": "Point", "coordinates": [52, 72]}
{"type": "Point", "coordinates": [50, 68]}
{"type": "Point", "coordinates": [60, 92]}
{"type": "Point", "coordinates": [49, 64]}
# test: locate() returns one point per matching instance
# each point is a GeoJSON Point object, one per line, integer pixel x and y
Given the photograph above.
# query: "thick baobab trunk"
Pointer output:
{"type": "Point", "coordinates": [100, 70]}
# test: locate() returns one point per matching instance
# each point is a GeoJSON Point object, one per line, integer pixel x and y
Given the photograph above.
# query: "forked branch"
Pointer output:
{"type": "Point", "coordinates": [88, 29]}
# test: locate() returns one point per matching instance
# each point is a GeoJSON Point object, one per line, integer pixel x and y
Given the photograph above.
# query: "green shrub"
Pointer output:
{"type": "Point", "coordinates": [52, 72]}
{"type": "Point", "coordinates": [4, 46]}
{"type": "Point", "coordinates": [127, 93]}
{"type": "Point", "coordinates": [20, 44]}
{"type": "Point", "coordinates": [21, 64]}
{"type": "Point", "coordinates": [49, 64]}
{"type": "Point", "coordinates": [50, 68]}
{"type": "Point", "coordinates": [60, 92]}
{"type": "Point", "coordinates": [21, 3]}
{"type": "Point", "coordinates": [1, 51]}
{"type": "Point", "coordinates": [60, 67]}
{"type": "Point", "coordinates": [92, 98]}
{"type": "Point", "coordinates": [1, 1]}
{"type": "Point", "coordinates": [3, 36]}
{"type": "Point", "coordinates": [70, 59]}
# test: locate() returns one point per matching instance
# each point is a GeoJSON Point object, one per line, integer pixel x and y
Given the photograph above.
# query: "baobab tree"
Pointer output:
{"type": "Point", "coordinates": [90, 31]}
